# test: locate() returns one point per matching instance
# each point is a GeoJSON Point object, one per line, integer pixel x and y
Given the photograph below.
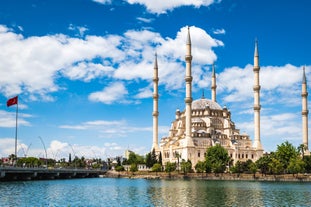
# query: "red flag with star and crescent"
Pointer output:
{"type": "Point", "coordinates": [12, 101]}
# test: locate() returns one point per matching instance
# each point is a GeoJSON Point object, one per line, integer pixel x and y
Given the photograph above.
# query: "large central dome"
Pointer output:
{"type": "Point", "coordinates": [204, 103]}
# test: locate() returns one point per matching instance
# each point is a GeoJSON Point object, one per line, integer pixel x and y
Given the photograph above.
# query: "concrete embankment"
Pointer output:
{"type": "Point", "coordinates": [211, 176]}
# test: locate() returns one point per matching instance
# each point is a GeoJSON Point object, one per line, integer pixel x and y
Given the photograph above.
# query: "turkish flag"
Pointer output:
{"type": "Point", "coordinates": [12, 101]}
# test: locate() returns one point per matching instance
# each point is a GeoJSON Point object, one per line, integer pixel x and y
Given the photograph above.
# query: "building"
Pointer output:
{"type": "Point", "coordinates": [204, 123]}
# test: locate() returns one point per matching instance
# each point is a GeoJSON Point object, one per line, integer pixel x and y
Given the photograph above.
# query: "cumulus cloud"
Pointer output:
{"type": "Point", "coordinates": [163, 6]}
{"type": "Point", "coordinates": [32, 65]}
{"type": "Point", "coordinates": [8, 119]}
{"type": "Point", "coordinates": [279, 84]}
{"type": "Point", "coordinates": [114, 92]}
{"type": "Point", "coordinates": [219, 31]}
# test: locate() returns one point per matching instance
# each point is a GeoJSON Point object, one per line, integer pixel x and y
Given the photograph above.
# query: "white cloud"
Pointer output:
{"type": "Point", "coordinates": [279, 84]}
{"type": "Point", "coordinates": [103, 1]}
{"type": "Point", "coordinates": [8, 119]}
{"type": "Point", "coordinates": [35, 63]}
{"type": "Point", "coordinates": [145, 19]}
{"type": "Point", "coordinates": [219, 31]}
{"type": "Point", "coordinates": [80, 30]}
{"type": "Point", "coordinates": [162, 6]}
{"type": "Point", "coordinates": [113, 92]}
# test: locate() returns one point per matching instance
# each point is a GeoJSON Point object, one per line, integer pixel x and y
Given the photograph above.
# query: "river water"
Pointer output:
{"type": "Point", "coordinates": [142, 192]}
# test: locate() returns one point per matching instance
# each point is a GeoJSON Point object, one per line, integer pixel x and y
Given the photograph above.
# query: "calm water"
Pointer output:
{"type": "Point", "coordinates": [141, 192]}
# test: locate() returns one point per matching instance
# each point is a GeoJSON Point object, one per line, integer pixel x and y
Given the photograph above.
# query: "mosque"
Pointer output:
{"type": "Point", "coordinates": [204, 123]}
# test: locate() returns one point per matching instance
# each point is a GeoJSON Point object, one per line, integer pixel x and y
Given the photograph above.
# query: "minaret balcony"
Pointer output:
{"type": "Point", "coordinates": [155, 79]}
{"type": "Point", "coordinates": [256, 69]}
{"type": "Point", "coordinates": [305, 112]}
{"type": "Point", "coordinates": [188, 78]}
{"type": "Point", "coordinates": [188, 57]}
{"type": "Point", "coordinates": [188, 100]}
{"type": "Point", "coordinates": [155, 113]}
{"type": "Point", "coordinates": [257, 107]}
{"type": "Point", "coordinates": [155, 96]}
{"type": "Point", "coordinates": [256, 87]}
{"type": "Point", "coordinates": [304, 94]}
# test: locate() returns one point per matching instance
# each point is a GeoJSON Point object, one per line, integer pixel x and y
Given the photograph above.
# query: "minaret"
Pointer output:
{"type": "Point", "coordinates": [155, 112]}
{"type": "Point", "coordinates": [188, 99]}
{"type": "Point", "coordinates": [256, 88]}
{"type": "Point", "coordinates": [214, 86]}
{"type": "Point", "coordinates": [305, 111]}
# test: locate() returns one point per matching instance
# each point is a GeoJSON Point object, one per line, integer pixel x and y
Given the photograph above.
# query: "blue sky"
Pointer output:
{"type": "Point", "coordinates": [83, 69]}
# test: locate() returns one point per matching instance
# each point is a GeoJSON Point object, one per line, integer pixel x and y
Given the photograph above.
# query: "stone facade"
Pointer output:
{"type": "Point", "coordinates": [204, 123]}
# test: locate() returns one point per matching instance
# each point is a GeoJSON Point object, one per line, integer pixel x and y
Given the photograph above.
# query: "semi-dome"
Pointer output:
{"type": "Point", "coordinates": [204, 103]}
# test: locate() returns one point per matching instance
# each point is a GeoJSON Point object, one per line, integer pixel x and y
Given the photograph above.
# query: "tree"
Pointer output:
{"type": "Point", "coordinates": [160, 159]}
{"type": "Point", "coordinates": [208, 166]}
{"type": "Point", "coordinates": [186, 166]}
{"type": "Point", "coordinates": [218, 157]}
{"type": "Point", "coordinates": [237, 168]}
{"type": "Point", "coordinates": [133, 168]}
{"type": "Point", "coordinates": [301, 149]}
{"type": "Point", "coordinates": [263, 164]}
{"type": "Point", "coordinates": [296, 165]}
{"type": "Point", "coordinates": [157, 168]}
{"type": "Point", "coordinates": [307, 161]}
{"type": "Point", "coordinates": [200, 167]}
{"type": "Point", "coordinates": [134, 159]}
{"type": "Point", "coordinates": [253, 168]}
{"type": "Point", "coordinates": [119, 168]}
{"type": "Point", "coordinates": [285, 152]}
{"type": "Point", "coordinates": [275, 166]}
{"type": "Point", "coordinates": [170, 167]}
{"type": "Point", "coordinates": [153, 157]}
{"type": "Point", "coordinates": [148, 160]}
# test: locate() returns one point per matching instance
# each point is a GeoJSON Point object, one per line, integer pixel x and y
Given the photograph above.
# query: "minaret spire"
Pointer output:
{"type": "Point", "coordinates": [155, 113]}
{"type": "Point", "coordinates": [214, 86]}
{"type": "Point", "coordinates": [305, 111]}
{"type": "Point", "coordinates": [188, 99]}
{"type": "Point", "coordinates": [257, 107]}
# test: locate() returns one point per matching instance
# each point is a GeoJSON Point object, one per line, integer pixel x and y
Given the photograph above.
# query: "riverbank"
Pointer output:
{"type": "Point", "coordinates": [210, 176]}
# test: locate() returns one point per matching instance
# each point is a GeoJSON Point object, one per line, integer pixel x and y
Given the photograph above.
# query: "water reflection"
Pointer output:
{"type": "Point", "coordinates": [140, 192]}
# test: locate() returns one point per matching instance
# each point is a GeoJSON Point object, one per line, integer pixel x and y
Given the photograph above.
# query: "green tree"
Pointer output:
{"type": "Point", "coordinates": [148, 160]}
{"type": "Point", "coordinates": [301, 149]}
{"type": "Point", "coordinates": [296, 165]}
{"type": "Point", "coordinates": [218, 157]}
{"type": "Point", "coordinates": [263, 164]}
{"type": "Point", "coordinates": [275, 166]}
{"type": "Point", "coordinates": [153, 157]}
{"type": "Point", "coordinates": [133, 168]}
{"type": "Point", "coordinates": [134, 159]}
{"type": "Point", "coordinates": [285, 152]}
{"type": "Point", "coordinates": [237, 168]}
{"type": "Point", "coordinates": [157, 168]}
{"type": "Point", "coordinates": [186, 166]}
{"type": "Point", "coordinates": [200, 167]}
{"type": "Point", "coordinates": [307, 161]}
{"type": "Point", "coordinates": [170, 167]}
{"type": "Point", "coordinates": [160, 159]}
{"type": "Point", "coordinates": [253, 168]}
{"type": "Point", "coordinates": [208, 166]}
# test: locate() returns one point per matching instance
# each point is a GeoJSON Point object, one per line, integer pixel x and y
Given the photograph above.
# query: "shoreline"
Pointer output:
{"type": "Point", "coordinates": [209, 176]}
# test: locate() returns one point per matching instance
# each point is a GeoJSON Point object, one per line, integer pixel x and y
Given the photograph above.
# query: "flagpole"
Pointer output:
{"type": "Point", "coordinates": [16, 131]}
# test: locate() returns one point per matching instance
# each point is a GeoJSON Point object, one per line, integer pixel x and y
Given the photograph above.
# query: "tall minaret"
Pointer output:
{"type": "Point", "coordinates": [214, 86]}
{"type": "Point", "coordinates": [256, 88]}
{"type": "Point", "coordinates": [155, 112]}
{"type": "Point", "coordinates": [305, 111]}
{"type": "Point", "coordinates": [188, 99]}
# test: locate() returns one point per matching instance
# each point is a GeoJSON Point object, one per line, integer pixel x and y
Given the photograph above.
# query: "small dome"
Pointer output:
{"type": "Point", "coordinates": [203, 103]}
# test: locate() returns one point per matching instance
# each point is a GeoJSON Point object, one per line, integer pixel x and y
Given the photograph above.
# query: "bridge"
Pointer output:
{"type": "Point", "coordinates": [20, 173]}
